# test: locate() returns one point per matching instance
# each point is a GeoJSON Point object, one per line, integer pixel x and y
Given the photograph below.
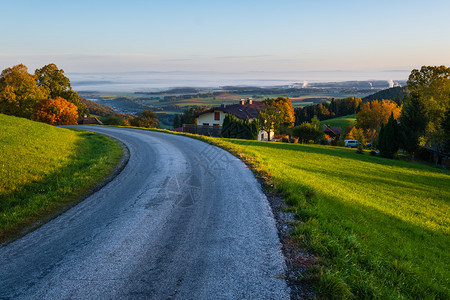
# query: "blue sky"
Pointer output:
{"type": "Point", "coordinates": [225, 36]}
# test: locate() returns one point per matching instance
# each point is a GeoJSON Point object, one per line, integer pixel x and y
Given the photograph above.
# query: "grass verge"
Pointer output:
{"type": "Point", "coordinates": [380, 227]}
{"type": "Point", "coordinates": [45, 169]}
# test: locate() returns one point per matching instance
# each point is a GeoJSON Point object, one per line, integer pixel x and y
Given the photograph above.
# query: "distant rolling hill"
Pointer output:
{"type": "Point", "coordinates": [395, 94]}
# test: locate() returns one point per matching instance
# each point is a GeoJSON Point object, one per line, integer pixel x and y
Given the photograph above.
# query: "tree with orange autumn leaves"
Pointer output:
{"type": "Point", "coordinates": [38, 96]}
{"type": "Point", "coordinates": [371, 117]}
{"type": "Point", "coordinates": [56, 111]}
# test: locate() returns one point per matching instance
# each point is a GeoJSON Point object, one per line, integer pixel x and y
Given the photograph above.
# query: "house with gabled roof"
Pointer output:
{"type": "Point", "coordinates": [85, 120]}
{"type": "Point", "coordinates": [210, 121]}
{"type": "Point", "coordinates": [332, 131]}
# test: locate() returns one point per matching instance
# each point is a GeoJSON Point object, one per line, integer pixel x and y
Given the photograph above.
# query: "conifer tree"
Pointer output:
{"type": "Point", "coordinates": [412, 123]}
{"type": "Point", "coordinates": [388, 138]}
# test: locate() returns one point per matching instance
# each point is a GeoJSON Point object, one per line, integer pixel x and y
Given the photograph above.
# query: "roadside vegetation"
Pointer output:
{"type": "Point", "coordinates": [45, 169]}
{"type": "Point", "coordinates": [379, 227]}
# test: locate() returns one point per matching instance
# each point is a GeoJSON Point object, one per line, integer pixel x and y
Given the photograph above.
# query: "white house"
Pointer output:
{"type": "Point", "coordinates": [244, 109]}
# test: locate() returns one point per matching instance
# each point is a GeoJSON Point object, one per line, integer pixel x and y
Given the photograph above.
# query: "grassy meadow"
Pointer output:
{"type": "Point", "coordinates": [46, 168]}
{"type": "Point", "coordinates": [380, 227]}
{"type": "Point", "coordinates": [342, 122]}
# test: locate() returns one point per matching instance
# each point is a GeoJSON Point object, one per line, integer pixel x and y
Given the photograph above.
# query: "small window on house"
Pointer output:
{"type": "Point", "coordinates": [216, 125]}
{"type": "Point", "coordinates": [216, 115]}
{"type": "Point", "coordinates": [205, 124]}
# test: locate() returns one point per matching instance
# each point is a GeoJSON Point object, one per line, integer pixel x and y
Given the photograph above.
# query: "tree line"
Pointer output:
{"type": "Point", "coordinates": [47, 96]}
{"type": "Point", "coordinates": [421, 122]}
{"type": "Point", "coordinates": [44, 96]}
{"type": "Point", "coordinates": [324, 111]}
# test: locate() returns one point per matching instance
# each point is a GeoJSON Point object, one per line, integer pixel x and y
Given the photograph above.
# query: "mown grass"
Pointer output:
{"type": "Point", "coordinates": [342, 122]}
{"type": "Point", "coordinates": [45, 169]}
{"type": "Point", "coordinates": [380, 227]}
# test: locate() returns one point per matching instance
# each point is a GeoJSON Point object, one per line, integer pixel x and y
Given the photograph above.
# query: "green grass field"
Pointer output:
{"type": "Point", "coordinates": [342, 122]}
{"type": "Point", "coordinates": [45, 168]}
{"type": "Point", "coordinates": [380, 227]}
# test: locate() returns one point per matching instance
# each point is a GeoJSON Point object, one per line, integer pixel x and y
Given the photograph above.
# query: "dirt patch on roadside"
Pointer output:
{"type": "Point", "coordinates": [297, 260]}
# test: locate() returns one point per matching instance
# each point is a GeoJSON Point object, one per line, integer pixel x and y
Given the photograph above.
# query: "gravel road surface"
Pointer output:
{"type": "Point", "coordinates": [183, 220]}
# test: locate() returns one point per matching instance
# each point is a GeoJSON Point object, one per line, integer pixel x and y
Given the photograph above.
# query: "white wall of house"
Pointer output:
{"type": "Point", "coordinates": [209, 119]}
{"type": "Point", "coordinates": [263, 136]}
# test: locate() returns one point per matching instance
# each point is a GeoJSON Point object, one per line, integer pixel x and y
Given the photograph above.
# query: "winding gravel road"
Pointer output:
{"type": "Point", "coordinates": [183, 220]}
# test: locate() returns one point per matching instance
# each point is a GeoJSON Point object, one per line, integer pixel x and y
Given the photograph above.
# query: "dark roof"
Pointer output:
{"type": "Point", "coordinates": [89, 120]}
{"type": "Point", "coordinates": [240, 111]}
{"type": "Point", "coordinates": [336, 130]}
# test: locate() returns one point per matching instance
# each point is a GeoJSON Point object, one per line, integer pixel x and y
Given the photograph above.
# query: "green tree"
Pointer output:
{"type": "Point", "coordinates": [233, 127]}
{"type": "Point", "coordinates": [19, 93]}
{"type": "Point", "coordinates": [431, 86]}
{"type": "Point", "coordinates": [148, 119]}
{"type": "Point", "coordinates": [446, 127]}
{"type": "Point", "coordinates": [269, 119]}
{"type": "Point", "coordinates": [176, 121]}
{"type": "Point", "coordinates": [284, 106]}
{"type": "Point", "coordinates": [54, 80]}
{"type": "Point", "coordinates": [227, 126]}
{"type": "Point", "coordinates": [412, 123]}
{"type": "Point", "coordinates": [430, 81]}
{"type": "Point", "coordinates": [309, 131]}
{"type": "Point", "coordinates": [388, 139]}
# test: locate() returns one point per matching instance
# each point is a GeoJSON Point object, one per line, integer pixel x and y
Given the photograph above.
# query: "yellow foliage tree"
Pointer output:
{"type": "Point", "coordinates": [284, 107]}
{"type": "Point", "coordinates": [56, 111]}
{"type": "Point", "coordinates": [374, 114]}
{"type": "Point", "coordinates": [19, 92]}
{"type": "Point", "coordinates": [357, 134]}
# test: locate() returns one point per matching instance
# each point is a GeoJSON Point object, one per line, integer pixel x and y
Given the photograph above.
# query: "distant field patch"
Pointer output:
{"type": "Point", "coordinates": [342, 122]}
{"type": "Point", "coordinates": [45, 168]}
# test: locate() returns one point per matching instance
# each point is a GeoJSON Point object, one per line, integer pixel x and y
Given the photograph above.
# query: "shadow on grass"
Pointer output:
{"type": "Point", "coordinates": [376, 254]}
{"type": "Point", "coordinates": [338, 152]}
{"type": "Point", "coordinates": [382, 178]}
{"type": "Point", "coordinates": [41, 200]}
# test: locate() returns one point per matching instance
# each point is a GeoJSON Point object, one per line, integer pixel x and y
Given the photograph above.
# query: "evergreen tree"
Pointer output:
{"type": "Point", "coordinates": [388, 138]}
{"type": "Point", "coordinates": [235, 128]}
{"type": "Point", "coordinates": [176, 121]}
{"type": "Point", "coordinates": [226, 126]}
{"type": "Point", "coordinates": [446, 127]}
{"type": "Point", "coordinates": [412, 123]}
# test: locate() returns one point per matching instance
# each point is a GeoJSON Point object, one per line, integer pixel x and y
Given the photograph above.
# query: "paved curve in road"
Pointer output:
{"type": "Point", "coordinates": [183, 220]}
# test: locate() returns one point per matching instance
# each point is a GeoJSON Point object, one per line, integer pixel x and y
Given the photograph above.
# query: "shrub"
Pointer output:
{"type": "Point", "coordinates": [359, 150]}
{"type": "Point", "coordinates": [324, 142]}
{"type": "Point", "coordinates": [116, 120]}
{"type": "Point", "coordinates": [56, 111]}
{"type": "Point", "coordinates": [308, 131]}
{"type": "Point", "coordinates": [340, 143]}
{"type": "Point", "coordinates": [331, 286]}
